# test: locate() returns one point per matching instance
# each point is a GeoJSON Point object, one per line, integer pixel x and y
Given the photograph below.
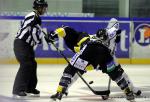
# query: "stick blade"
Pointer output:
{"type": "Point", "coordinates": [107, 92]}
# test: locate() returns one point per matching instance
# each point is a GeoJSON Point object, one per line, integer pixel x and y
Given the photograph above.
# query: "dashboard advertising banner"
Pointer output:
{"type": "Point", "coordinates": [141, 40]}
{"type": "Point", "coordinates": [10, 25]}
{"type": "Point", "coordinates": [91, 27]}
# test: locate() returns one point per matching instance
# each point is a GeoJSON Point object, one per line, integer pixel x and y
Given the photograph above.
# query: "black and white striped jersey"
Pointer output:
{"type": "Point", "coordinates": [29, 32]}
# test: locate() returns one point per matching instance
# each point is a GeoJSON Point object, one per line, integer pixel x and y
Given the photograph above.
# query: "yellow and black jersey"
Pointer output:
{"type": "Point", "coordinates": [73, 39]}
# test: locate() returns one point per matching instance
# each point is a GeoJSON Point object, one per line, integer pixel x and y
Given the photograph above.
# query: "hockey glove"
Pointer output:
{"type": "Point", "coordinates": [118, 32]}
{"type": "Point", "coordinates": [50, 37]}
{"type": "Point", "coordinates": [118, 37]}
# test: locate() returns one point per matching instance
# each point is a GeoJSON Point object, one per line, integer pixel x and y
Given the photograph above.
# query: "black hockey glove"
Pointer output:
{"type": "Point", "coordinates": [118, 37]}
{"type": "Point", "coordinates": [118, 32]}
{"type": "Point", "coordinates": [50, 37]}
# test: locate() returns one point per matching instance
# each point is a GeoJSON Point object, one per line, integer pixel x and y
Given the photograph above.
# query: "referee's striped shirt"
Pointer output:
{"type": "Point", "coordinates": [28, 31]}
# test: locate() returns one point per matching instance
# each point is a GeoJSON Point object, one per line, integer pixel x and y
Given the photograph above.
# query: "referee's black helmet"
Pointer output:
{"type": "Point", "coordinates": [39, 3]}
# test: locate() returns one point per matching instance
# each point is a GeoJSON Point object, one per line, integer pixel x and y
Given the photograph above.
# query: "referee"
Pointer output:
{"type": "Point", "coordinates": [28, 36]}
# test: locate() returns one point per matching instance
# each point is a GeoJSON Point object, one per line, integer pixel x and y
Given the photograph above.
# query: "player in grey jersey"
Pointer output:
{"type": "Point", "coordinates": [28, 36]}
{"type": "Point", "coordinates": [110, 40]}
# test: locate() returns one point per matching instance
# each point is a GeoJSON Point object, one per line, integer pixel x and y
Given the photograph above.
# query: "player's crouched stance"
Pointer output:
{"type": "Point", "coordinates": [94, 53]}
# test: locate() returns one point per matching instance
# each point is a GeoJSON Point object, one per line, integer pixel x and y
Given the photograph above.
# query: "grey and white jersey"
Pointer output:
{"type": "Point", "coordinates": [28, 31]}
{"type": "Point", "coordinates": [112, 28]}
{"type": "Point", "coordinates": [109, 43]}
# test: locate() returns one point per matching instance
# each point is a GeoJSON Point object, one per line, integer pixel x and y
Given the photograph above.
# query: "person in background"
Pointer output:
{"type": "Point", "coordinates": [27, 37]}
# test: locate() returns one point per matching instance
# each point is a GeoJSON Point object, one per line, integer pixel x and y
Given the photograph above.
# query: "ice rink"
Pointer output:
{"type": "Point", "coordinates": [49, 76]}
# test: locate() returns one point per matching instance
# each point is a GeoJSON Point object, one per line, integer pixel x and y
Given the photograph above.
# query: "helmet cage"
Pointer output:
{"type": "Point", "coordinates": [102, 34]}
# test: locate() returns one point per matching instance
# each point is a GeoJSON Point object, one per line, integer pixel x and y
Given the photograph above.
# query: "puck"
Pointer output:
{"type": "Point", "coordinates": [91, 82]}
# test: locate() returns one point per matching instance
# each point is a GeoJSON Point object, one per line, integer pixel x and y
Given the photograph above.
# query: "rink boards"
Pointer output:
{"type": "Point", "coordinates": [133, 48]}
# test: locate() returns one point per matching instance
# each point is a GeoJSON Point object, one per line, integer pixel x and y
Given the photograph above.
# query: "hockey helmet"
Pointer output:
{"type": "Point", "coordinates": [102, 34]}
{"type": "Point", "coordinates": [39, 3]}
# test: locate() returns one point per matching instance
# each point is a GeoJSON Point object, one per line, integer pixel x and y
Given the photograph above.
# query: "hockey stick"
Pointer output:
{"type": "Point", "coordinates": [106, 92]}
{"type": "Point", "coordinates": [109, 83]}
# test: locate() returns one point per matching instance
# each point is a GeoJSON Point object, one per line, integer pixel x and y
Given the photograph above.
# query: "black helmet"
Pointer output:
{"type": "Point", "coordinates": [39, 3]}
{"type": "Point", "coordinates": [102, 34]}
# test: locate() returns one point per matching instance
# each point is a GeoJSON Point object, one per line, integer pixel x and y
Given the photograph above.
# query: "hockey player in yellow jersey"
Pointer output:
{"type": "Point", "coordinates": [97, 50]}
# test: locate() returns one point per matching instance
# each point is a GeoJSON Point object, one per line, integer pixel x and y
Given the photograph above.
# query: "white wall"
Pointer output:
{"type": "Point", "coordinates": [74, 6]}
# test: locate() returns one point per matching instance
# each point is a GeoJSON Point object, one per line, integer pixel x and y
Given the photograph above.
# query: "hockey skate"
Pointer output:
{"type": "Point", "coordinates": [137, 92]}
{"type": "Point", "coordinates": [129, 94]}
{"type": "Point", "coordinates": [105, 97]}
{"type": "Point", "coordinates": [33, 92]}
{"type": "Point", "coordinates": [20, 95]}
{"type": "Point", "coordinates": [60, 92]}
{"type": "Point", "coordinates": [66, 93]}
{"type": "Point", "coordinates": [57, 96]}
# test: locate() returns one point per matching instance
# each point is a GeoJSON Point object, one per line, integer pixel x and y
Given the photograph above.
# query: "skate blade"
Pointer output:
{"type": "Point", "coordinates": [132, 101]}
{"type": "Point", "coordinates": [55, 100]}
{"type": "Point", "coordinates": [33, 95]}
{"type": "Point", "coordinates": [19, 97]}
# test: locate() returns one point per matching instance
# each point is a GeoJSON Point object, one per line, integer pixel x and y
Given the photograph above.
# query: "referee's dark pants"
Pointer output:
{"type": "Point", "coordinates": [26, 78]}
